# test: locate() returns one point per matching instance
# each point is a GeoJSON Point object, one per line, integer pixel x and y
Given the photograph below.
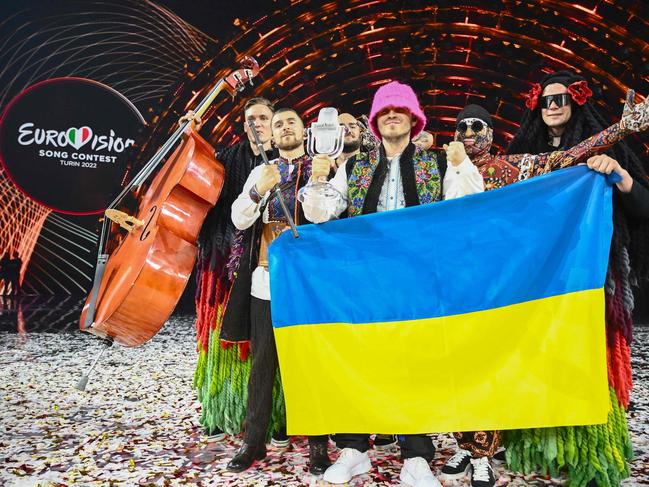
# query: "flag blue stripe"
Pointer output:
{"type": "Point", "coordinates": [542, 237]}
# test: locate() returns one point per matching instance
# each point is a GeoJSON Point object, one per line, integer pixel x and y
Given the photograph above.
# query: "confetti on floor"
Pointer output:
{"type": "Point", "coordinates": [137, 422]}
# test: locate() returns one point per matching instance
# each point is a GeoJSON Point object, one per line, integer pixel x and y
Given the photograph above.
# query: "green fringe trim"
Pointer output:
{"type": "Point", "coordinates": [221, 380]}
{"type": "Point", "coordinates": [597, 452]}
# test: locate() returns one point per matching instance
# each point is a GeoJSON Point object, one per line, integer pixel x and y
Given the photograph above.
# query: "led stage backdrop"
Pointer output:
{"type": "Point", "coordinates": [163, 56]}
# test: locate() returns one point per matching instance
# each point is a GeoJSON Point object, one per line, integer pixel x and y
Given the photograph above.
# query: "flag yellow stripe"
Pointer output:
{"type": "Point", "coordinates": [535, 364]}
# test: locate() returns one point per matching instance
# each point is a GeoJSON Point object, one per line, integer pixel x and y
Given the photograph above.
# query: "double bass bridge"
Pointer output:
{"type": "Point", "coordinates": [124, 220]}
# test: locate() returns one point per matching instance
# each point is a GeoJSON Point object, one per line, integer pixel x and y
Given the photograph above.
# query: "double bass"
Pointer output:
{"type": "Point", "coordinates": [137, 287]}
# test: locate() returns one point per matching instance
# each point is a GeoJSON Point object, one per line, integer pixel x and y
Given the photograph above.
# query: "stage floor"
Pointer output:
{"type": "Point", "coordinates": [137, 422]}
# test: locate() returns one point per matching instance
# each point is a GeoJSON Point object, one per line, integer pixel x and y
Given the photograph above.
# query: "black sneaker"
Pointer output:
{"type": "Point", "coordinates": [383, 442]}
{"type": "Point", "coordinates": [482, 475]}
{"type": "Point", "coordinates": [499, 457]}
{"type": "Point", "coordinates": [458, 465]}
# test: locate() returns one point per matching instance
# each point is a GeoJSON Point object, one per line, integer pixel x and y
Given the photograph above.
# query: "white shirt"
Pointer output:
{"type": "Point", "coordinates": [460, 180]}
{"type": "Point", "coordinates": [392, 197]}
{"type": "Point", "coordinates": [244, 214]}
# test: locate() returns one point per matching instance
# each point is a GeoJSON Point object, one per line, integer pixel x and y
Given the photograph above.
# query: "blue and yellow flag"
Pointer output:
{"type": "Point", "coordinates": [481, 313]}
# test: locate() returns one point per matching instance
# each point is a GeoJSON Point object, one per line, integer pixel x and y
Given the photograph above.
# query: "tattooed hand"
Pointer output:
{"type": "Point", "coordinates": [635, 117]}
{"type": "Point", "coordinates": [455, 152]}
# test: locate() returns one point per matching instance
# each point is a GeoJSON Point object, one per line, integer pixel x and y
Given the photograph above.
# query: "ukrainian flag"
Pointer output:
{"type": "Point", "coordinates": [481, 313]}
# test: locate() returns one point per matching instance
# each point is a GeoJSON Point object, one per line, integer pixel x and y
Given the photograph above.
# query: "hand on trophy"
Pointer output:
{"type": "Point", "coordinates": [268, 179]}
{"type": "Point", "coordinates": [321, 166]}
{"type": "Point", "coordinates": [635, 117]}
{"type": "Point", "coordinates": [325, 140]}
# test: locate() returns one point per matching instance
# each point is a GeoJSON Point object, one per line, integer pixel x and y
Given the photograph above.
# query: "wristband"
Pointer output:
{"type": "Point", "coordinates": [254, 195]}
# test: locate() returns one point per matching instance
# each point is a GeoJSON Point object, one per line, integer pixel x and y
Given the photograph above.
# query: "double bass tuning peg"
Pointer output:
{"type": "Point", "coordinates": [239, 85]}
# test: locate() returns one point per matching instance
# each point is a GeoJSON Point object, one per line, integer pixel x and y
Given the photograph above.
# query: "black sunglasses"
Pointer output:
{"type": "Point", "coordinates": [476, 126]}
{"type": "Point", "coordinates": [560, 100]}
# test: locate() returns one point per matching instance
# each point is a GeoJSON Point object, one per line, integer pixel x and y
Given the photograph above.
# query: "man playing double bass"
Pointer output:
{"type": "Point", "coordinates": [218, 242]}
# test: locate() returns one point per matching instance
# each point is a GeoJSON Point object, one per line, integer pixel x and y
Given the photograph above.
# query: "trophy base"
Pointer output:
{"type": "Point", "coordinates": [321, 194]}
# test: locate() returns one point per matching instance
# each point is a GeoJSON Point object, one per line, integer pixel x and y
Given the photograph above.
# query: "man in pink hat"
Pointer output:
{"type": "Point", "coordinates": [396, 175]}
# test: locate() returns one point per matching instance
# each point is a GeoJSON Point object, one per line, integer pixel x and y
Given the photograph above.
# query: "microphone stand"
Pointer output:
{"type": "Point", "coordinates": [277, 190]}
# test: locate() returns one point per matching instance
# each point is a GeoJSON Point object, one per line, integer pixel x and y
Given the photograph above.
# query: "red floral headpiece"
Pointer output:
{"type": "Point", "coordinates": [580, 92]}
{"type": "Point", "coordinates": [532, 96]}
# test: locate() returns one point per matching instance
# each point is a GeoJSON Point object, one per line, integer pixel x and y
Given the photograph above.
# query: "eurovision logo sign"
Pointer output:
{"type": "Point", "coordinates": [66, 143]}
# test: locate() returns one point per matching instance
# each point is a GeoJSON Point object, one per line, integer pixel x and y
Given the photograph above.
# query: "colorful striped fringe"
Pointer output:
{"type": "Point", "coordinates": [223, 369]}
{"type": "Point", "coordinates": [596, 453]}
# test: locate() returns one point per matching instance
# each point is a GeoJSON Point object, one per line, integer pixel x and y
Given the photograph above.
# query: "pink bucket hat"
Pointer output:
{"type": "Point", "coordinates": [398, 95]}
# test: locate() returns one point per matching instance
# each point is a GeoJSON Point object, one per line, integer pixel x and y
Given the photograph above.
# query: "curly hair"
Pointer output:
{"type": "Point", "coordinates": [532, 138]}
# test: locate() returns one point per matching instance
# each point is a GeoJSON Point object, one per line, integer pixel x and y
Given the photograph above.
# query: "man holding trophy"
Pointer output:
{"type": "Point", "coordinates": [397, 175]}
{"type": "Point", "coordinates": [267, 205]}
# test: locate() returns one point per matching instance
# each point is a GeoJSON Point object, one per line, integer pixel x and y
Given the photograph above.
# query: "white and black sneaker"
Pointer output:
{"type": "Point", "coordinates": [482, 475]}
{"type": "Point", "coordinates": [280, 440]}
{"type": "Point", "coordinates": [457, 466]}
{"type": "Point", "coordinates": [499, 457]}
{"type": "Point", "coordinates": [215, 435]}
{"type": "Point", "coordinates": [384, 442]}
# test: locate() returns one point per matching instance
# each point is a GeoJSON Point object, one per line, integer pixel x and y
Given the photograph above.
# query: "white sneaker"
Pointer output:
{"type": "Point", "coordinates": [350, 462]}
{"type": "Point", "coordinates": [416, 472]}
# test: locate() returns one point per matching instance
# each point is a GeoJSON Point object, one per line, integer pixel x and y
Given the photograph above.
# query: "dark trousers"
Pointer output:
{"type": "Point", "coordinates": [262, 372]}
{"type": "Point", "coordinates": [262, 375]}
{"type": "Point", "coordinates": [411, 445]}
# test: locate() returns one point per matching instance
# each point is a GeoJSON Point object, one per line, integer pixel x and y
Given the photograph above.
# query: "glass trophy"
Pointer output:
{"type": "Point", "coordinates": [324, 137]}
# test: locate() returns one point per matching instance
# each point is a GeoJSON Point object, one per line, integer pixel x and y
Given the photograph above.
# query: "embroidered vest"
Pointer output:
{"type": "Point", "coordinates": [290, 184]}
{"type": "Point", "coordinates": [426, 170]}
